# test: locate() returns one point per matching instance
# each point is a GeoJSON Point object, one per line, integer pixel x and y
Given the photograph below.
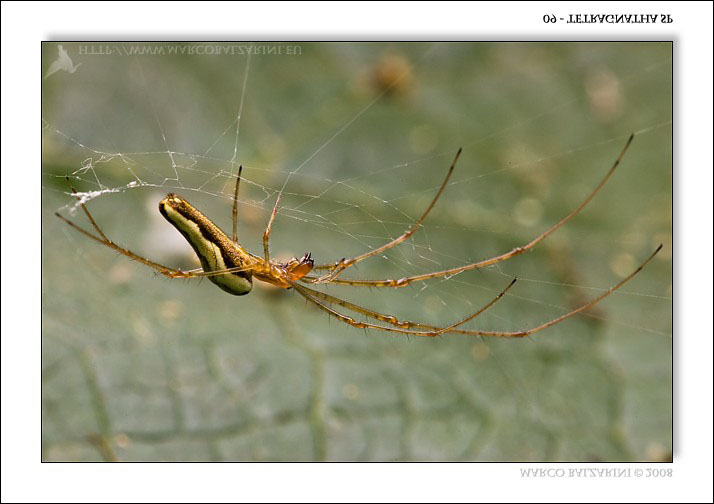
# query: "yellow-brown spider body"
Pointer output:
{"type": "Point", "coordinates": [217, 252]}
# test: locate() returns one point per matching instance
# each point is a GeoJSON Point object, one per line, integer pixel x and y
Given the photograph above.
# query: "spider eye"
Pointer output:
{"type": "Point", "coordinates": [307, 259]}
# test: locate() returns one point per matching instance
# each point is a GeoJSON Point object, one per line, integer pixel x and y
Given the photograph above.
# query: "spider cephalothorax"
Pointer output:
{"type": "Point", "coordinates": [298, 268]}
{"type": "Point", "coordinates": [227, 264]}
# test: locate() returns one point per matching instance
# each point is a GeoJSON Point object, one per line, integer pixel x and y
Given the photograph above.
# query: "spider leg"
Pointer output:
{"type": "Point", "coordinates": [545, 325]}
{"type": "Point", "coordinates": [592, 302]}
{"type": "Point", "coordinates": [102, 238]}
{"type": "Point", "coordinates": [403, 327]}
{"type": "Point", "coordinates": [235, 206]}
{"type": "Point", "coordinates": [266, 234]}
{"type": "Point", "coordinates": [405, 324]}
{"type": "Point", "coordinates": [164, 270]}
{"type": "Point", "coordinates": [307, 293]}
{"type": "Point", "coordinates": [342, 264]}
{"type": "Point", "coordinates": [330, 278]}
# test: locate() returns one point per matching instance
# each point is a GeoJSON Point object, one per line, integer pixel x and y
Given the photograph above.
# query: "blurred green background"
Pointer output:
{"type": "Point", "coordinates": [139, 367]}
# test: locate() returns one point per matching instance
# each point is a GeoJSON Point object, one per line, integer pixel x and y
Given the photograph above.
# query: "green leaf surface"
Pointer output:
{"type": "Point", "coordinates": [138, 367]}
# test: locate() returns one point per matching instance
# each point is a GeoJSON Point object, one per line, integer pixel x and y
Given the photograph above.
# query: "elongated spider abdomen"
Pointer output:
{"type": "Point", "coordinates": [214, 249]}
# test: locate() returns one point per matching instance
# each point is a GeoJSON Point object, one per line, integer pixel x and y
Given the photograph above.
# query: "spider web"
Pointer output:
{"type": "Point", "coordinates": [356, 138]}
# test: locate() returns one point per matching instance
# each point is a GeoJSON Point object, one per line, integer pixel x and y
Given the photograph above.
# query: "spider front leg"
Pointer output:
{"type": "Point", "coordinates": [336, 268]}
{"type": "Point", "coordinates": [331, 277]}
{"type": "Point", "coordinates": [430, 330]}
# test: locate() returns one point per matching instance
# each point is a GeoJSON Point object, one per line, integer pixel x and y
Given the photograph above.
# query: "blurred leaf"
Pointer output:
{"type": "Point", "coordinates": [137, 367]}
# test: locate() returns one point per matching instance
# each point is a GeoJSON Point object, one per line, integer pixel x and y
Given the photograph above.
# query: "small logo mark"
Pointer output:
{"type": "Point", "coordinates": [63, 62]}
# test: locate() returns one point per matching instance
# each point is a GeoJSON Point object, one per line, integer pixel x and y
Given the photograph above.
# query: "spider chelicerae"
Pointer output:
{"type": "Point", "coordinates": [228, 265]}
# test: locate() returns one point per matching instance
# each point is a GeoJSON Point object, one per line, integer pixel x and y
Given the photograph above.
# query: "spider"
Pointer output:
{"type": "Point", "coordinates": [228, 265]}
